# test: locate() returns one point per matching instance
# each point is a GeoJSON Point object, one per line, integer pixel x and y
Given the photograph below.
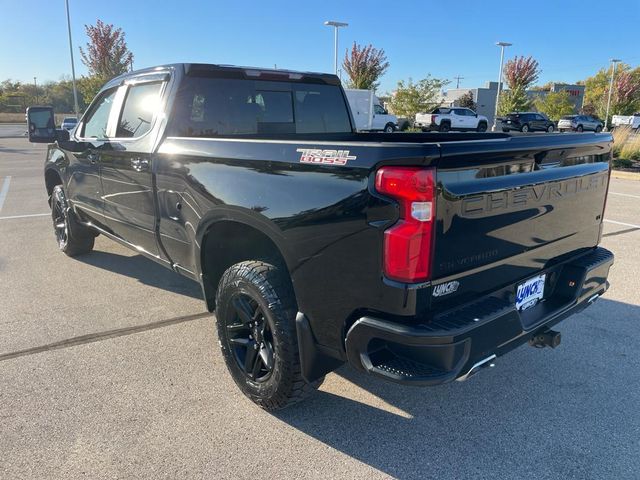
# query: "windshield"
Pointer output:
{"type": "Point", "coordinates": [568, 117]}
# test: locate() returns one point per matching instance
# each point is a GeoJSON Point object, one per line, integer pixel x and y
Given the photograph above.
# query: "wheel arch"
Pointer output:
{"type": "Point", "coordinates": [225, 241]}
{"type": "Point", "coordinates": [52, 177]}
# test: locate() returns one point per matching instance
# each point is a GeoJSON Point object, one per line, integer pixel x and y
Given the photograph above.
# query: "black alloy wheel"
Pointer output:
{"type": "Point", "coordinates": [250, 338]}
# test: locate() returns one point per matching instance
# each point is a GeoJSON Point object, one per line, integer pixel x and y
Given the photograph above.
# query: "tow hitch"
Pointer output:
{"type": "Point", "coordinates": [546, 338]}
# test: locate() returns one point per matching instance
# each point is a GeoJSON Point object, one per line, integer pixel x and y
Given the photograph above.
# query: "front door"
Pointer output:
{"type": "Point", "coordinates": [127, 180]}
{"type": "Point", "coordinates": [83, 153]}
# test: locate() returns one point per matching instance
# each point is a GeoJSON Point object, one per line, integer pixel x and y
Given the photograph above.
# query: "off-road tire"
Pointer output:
{"type": "Point", "coordinates": [270, 288]}
{"type": "Point", "coordinates": [72, 237]}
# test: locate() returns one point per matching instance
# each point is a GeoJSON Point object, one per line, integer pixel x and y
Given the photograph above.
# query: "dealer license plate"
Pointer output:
{"type": "Point", "coordinates": [530, 292]}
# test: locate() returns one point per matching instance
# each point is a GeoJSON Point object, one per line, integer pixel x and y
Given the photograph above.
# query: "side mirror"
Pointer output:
{"type": "Point", "coordinates": [41, 125]}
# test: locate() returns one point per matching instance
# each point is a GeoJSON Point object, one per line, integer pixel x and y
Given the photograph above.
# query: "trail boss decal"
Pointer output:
{"type": "Point", "coordinates": [326, 157]}
{"type": "Point", "coordinates": [445, 288]}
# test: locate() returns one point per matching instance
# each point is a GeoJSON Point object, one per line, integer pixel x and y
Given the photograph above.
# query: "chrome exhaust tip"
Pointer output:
{"type": "Point", "coordinates": [485, 363]}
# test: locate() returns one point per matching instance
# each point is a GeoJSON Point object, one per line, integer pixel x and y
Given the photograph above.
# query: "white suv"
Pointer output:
{"type": "Point", "coordinates": [445, 119]}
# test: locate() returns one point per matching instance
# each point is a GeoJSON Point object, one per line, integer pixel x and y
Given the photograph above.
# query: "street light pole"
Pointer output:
{"type": "Point", "coordinates": [73, 68]}
{"type": "Point", "coordinates": [336, 26]}
{"type": "Point", "coordinates": [614, 62]}
{"type": "Point", "coordinates": [35, 86]}
{"type": "Point", "coordinates": [495, 114]}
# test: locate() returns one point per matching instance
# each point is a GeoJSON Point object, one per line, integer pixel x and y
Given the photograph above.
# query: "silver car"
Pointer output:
{"type": "Point", "coordinates": [580, 123]}
{"type": "Point", "coordinates": [69, 123]}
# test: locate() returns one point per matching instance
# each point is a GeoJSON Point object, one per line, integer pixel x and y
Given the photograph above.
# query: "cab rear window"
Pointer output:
{"type": "Point", "coordinates": [211, 107]}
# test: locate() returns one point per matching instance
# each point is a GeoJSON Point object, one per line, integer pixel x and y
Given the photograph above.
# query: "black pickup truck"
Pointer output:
{"type": "Point", "coordinates": [417, 258]}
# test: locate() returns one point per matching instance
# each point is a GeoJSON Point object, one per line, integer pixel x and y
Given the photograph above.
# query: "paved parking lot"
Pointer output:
{"type": "Point", "coordinates": [109, 367]}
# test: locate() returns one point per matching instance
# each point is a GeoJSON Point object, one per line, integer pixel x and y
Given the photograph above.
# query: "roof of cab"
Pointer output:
{"type": "Point", "coordinates": [210, 69]}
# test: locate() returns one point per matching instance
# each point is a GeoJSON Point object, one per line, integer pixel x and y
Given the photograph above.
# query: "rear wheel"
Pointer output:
{"type": "Point", "coordinates": [598, 129]}
{"type": "Point", "coordinates": [550, 129]}
{"type": "Point", "coordinates": [72, 237]}
{"type": "Point", "coordinates": [579, 128]}
{"type": "Point", "coordinates": [444, 127]}
{"type": "Point", "coordinates": [255, 312]}
{"type": "Point", "coordinates": [524, 128]}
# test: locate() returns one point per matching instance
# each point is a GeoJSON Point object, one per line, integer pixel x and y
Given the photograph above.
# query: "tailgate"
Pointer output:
{"type": "Point", "coordinates": [508, 208]}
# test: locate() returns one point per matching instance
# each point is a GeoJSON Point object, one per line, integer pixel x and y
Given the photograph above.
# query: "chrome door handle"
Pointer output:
{"type": "Point", "coordinates": [140, 164]}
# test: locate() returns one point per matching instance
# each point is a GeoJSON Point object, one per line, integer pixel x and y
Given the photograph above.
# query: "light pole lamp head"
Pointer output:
{"type": "Point", "coordinates": [615, 60]}
{"type": "Point", "coordinates": [332, 23]}
{"type": "Point", "coordinates": [504, 44]}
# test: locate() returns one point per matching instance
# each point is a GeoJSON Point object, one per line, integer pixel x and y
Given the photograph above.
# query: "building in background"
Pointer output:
{"type": "Point", "coordinates": [576, 93]}
{"type": "Point", "coordinates": [485, 97]}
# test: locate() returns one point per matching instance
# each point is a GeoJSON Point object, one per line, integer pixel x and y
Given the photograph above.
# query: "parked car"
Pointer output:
{"type": "Point", "coordinates": [527, 122]}
{"type": "Point", "coordinates": [418, 258]}
{"type": "Point", "coordinates": [580, 123]}
{"type": "Point", "coordinates": [632, 121]}
{"type": "Point", "coordinates": [368, 114]}
{"type": "Point", "coordinates": [69, 123]}
{"type": "Point", "coordinates": [444, 119]}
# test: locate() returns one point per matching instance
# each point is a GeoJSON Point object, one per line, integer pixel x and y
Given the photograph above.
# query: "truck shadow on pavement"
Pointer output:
{"type": "Point", "coordinates": [143, 270]}
{"type": "Point", "coordinates": [537, 414]}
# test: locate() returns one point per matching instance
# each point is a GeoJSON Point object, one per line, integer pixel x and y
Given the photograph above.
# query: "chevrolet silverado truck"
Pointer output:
{"type": "Point", "coordinates": [417, 258]}
{"type": "Point", "coordinates": [451, 119]}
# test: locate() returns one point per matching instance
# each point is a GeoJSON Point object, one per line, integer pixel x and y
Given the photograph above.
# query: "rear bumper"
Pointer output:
{"type": "Point", "coordinates": [455, 344]}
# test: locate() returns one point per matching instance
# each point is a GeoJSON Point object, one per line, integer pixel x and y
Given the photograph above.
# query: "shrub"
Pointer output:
{"type": "Point", "coordinates": [622, 163]}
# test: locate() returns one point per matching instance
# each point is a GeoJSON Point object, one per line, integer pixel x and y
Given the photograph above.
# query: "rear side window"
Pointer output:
{"type": "Point", "coordinates": [95, 125]}
{"type": "Point", "coordinates": [140, 105]}
{"type": "Point", "coordinates": [207, 107]}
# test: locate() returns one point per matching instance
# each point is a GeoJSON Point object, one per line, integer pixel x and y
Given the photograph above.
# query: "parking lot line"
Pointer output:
{"type": "Point", "coordinates": [4, 190]}
{"type": "Point", "coordinates": [624, 195]}
{"type": "Point", "coordinates": [622, 223]}
{"type": "Point", "coordinates": [12, 217]}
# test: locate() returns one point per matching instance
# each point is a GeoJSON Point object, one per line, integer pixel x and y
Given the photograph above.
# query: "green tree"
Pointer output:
{"type": "Point", "coordinates": [89, 87]}
{"type": "Point", "coordinates": [107, 54]}
{"type": "Point", "coordinates": [554, 105]}
{"type": "Point", "coordinates": [513, 100]}
{"type": "Point", "coordinates": [466, 101]}
{"type": "Point", "coordinates": [364, 66]}
{"type": "Point", "coordinates": [625, 98]}
{"type": "Point", "coordinates": [519, 74]}
{"type": "Point", "coordinates": [410, 98]}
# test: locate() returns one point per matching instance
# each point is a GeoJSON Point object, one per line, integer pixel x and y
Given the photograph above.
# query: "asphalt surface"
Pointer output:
{"type": "Point", "coordinates": [110, 368]}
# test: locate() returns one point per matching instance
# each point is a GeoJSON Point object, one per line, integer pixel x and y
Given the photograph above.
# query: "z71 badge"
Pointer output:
{"type": "Point", "coordinates": [326, 157]}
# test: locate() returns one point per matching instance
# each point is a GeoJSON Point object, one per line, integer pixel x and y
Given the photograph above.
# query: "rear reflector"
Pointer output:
{"type": "Point", "coordinates": [408, 243]}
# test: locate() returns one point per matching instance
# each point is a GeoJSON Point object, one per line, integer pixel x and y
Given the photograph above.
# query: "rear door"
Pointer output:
{"type": "Point", "coordinates": [508, 208]}
{"type": "Point", "coordinates": [127, 165]}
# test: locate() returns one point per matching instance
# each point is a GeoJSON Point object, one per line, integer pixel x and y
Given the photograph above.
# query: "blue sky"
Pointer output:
{"type": "Point", "coordinates": [570, 39]}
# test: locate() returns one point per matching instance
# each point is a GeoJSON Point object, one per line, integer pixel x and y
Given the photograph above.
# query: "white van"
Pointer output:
{"type": "Point", "coordinates": [367, 112]}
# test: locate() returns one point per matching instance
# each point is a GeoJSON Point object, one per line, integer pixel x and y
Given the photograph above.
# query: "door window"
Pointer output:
{"type": "Point", "coordinates": [378, 110]}
{"type": "Point", "coordinates": [140, 106]}
{"type": "Point", "coordinates": [95, 125]}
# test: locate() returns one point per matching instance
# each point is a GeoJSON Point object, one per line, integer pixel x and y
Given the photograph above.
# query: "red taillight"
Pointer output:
{"type": "Point", "coordinates": [433, 119]}
{"type": "Point", "coordinates": [408, 243]}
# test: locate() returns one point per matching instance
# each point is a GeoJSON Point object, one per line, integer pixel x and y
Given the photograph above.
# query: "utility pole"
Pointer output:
{"type": "Point", "coordinates": [614, 62]}
{"type": "Point", "coordinates": [35, 85]}
{"type": "Point", "coordinates": [73, 68]}
{"type": "Point", "coordinates": [495, 115]}
{"type": "Point", "coordinates": [458, 81]}
{"type": "Point", "coordinates": [336, 26]}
